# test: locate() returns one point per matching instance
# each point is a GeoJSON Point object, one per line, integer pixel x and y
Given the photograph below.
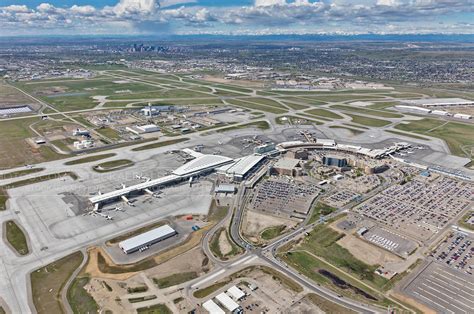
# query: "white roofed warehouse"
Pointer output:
{"type": "Point", "coordinates": [147, 239]}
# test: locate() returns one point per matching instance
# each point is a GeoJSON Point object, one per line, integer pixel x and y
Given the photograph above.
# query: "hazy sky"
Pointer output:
{"type": "Point", "coordinates": [29, 17]}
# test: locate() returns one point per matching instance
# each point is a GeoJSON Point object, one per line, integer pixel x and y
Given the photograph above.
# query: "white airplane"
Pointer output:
{"type": "Point", "coordinates": [118, 209]}
{"type": "Point", "coordinates": [107, 217]}
{"type": "Point", "coordinates": [219, 142]}
{"type": "Point", "coordinates": [123, 186]}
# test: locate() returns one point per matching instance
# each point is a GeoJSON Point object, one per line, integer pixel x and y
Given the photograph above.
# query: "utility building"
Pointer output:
{"type": "Point", "coordinates": [144, 240]}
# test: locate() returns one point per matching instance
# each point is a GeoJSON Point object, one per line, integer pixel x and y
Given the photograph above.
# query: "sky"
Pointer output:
{"type": "Point", "coordinates": [235, 17]}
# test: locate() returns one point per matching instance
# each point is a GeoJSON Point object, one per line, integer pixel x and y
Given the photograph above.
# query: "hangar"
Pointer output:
{"type": "Point", "coordinates": [146, 239]}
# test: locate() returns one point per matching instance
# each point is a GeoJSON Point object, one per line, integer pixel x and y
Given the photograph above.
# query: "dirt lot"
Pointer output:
{"type": "Point", "coordinates": [366, 252]}
{"type": "Point", "coordinates": [190, 261]}
{"type": "Point", "coordinates": [423, 308]}
{"type": "Point", "coordinates": [112, 293]}
{"type": "Point", "coordinates": [255, 223]}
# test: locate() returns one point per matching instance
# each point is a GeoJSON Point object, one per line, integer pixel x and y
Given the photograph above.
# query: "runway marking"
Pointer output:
{"type": "Point", "coordinates": [251, 260]}
{"type": "Point", "coordinates": [431, 301]}
{"type": "Point", "coordinates": [456, 300]}
{"type": "Point", "coordinates": [438, 298]}
{"type": "Point", "coordinates": [208, 278]}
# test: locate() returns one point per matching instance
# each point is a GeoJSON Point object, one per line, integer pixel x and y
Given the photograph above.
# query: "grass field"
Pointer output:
{"type": "Point", "coordinates": [352, 130]}
{"type": "Point", "coordinates": [458, 136]}
{"type": "Point", "coordinates": [323, 113]}
{"type": "Point", "coordinates": [155, 309]}
{"type": "Point", "coordinates": [109, 133]}
{"type": "Point", "coordinates": [12, 96]}
{"type": "Point", "coordinates": [89, 159]}
{"type": "Point", "coordinates": [113, 165]}
{"type": "Point", "coordinates": [48, 281]}
{"type": "Point", "coordinates": [295, 106]}
{"type": "Point", "coordinates": [372, 112]}
{"type": "Point", "coordinates": [383, 105]}
{"type": "Point", "coordinates": [408, 135]}
{"type": "Point", "coordinates": [20, 173]}
{"type": "Point", "coordinates": [79, 299]}
{"type": "Point", "coordinates": [201, 293]}
{"type": "Point", "coordinates": [319, 253]}
{"type": "Point", "coordinates": [272, 232]}
{"type": "Point", "coordinates": [159, 144]}
{"type": "Point", "coordinates": [372, 122]}
{"type": "Point", "coordinates": [215, 248]}
{"type": "Point", "coordinates": [256, 106]}
{"type": "Point", "coordinates": [327, 306]}
{"type": "Point", "coordinates": [16, 237]}
{"type": "Point", "coordinates": [14, 148]}
{"type": "Point", "coordinates": [175, 279]}
{"type": "Point", "coordinates": [262, 125]}
{"type": "Point", "coordinates": [320, 209]}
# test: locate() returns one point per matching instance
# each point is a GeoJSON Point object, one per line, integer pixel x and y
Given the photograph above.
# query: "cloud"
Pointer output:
{"type": "Point", "coordinates": [281, 16]}
{"type": "Point", "coordinates": [140, 7]}
{"type": "Point", "coordinates": [265, 3]}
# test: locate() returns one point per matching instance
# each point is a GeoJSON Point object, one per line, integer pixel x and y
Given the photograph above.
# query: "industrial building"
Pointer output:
{"type": "Point", "coordinates": [236, 293]}
{"type": "Point", "coordinates": [462, 116]}
{"type": "Point", "coordinates": [142, 129]}
{"type": "Point", "coordinates": [212, 307]}
{"type": "Point", "coordinates": [414, 109]}
{"type": "Point", "coordinates": [443, 102]}
{"type": "Point", "coordinates": [227, 302]}
{"type": "Point", "coordinates": [225, 188]}
{"type": "Point", "coordinates": [147, 239]}
{"type": "Point", "coordinates": [150, 110]}
{"type": "Point", "coordinates": [241, 168]}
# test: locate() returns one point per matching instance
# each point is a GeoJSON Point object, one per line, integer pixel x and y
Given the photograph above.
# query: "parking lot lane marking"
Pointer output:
{"type": "Point", "coordinates": [457, 278]}
{"type": "Point", "coordinates": [431, 301]}
{"type": "Point", "coordinates": [435, 296]}
{"type": "Point", "coordinates": [447, 289]}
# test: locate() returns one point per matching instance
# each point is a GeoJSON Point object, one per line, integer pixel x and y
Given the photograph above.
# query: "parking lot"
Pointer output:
{"type": "Point", "coordinates": [283, 197]}
{"type": "Point", "coordinates": [420, 207]}
{"type": "Point", "coordinates": [341, 198]}
{"type": "Point", "coordinates": [457, 252]}
{"type": "Point", "coordinates": [390, 241]}
{"type": "Point", "coordinates": [443, 289]}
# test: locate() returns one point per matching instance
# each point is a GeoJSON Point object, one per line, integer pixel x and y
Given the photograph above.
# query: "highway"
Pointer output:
{"type": "Point", "coordinates": [268, 254]}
